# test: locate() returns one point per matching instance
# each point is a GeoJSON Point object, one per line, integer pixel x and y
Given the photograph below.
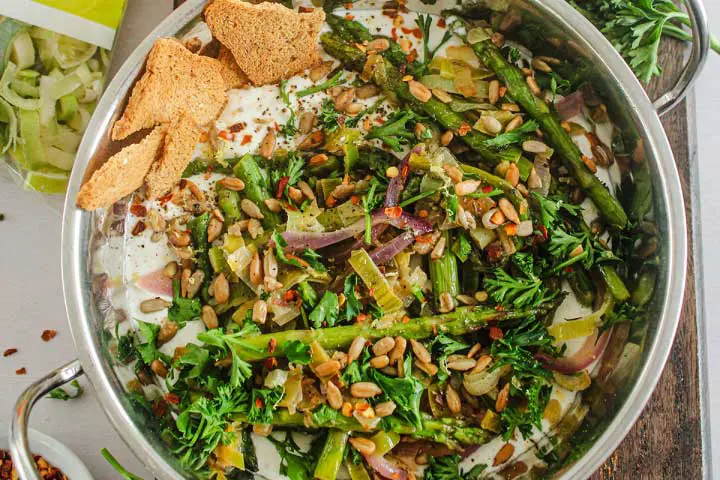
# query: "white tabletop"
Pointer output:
{"type": "Point", "coordinates": [31, 297]}
{"type": "Point", "coordinates": [707, 101]}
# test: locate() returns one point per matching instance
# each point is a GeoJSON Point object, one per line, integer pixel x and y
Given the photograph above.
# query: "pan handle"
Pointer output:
{"type": "Point", "coordinates": [698, 55]}
{"type": "Point", "coordinates": [19, 446]}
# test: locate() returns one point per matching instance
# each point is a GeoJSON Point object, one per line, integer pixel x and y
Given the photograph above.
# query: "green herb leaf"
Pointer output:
{"type": "Point", "coordinates": [296, 352]}
{"type": "Point", "coordinates": [329, 116]}
{"type": "Point", "coordinates": [462, 246]}
{"type": "Point", "coordinates": [263, 403]}
{"type": "Point", "coordinates": [352, 304]}
{"type": "Point", "coordinates": [289, 129]}
{"type": "Point", "coordinates": [442, 347]}
{"type": "Point", "coordinates": [326, 312]}
{"type": "Point", "coordinates": [182, 309]}
{"type": "Point", "coordinates": [335, 80]}
{"type": "Point", "coordinates": [443, 468]}
{"type": "Point", "coordinates": [405, 391]}
{"type": "Point", "coordinates": [395, 132]}
{"type": "Point", "coordinates": [324, 415]}
{"type": "Point", "coordinates": [514, 136]}
{"type": "Point", "coordinates": [62, 394]}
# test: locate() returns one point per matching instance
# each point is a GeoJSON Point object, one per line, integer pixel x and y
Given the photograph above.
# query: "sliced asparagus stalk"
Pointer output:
{"type": "Point", "coordinates": [449, 431]}
{"type": "Point", "coordinates": [459, 322]}
{"type": "Point", "coordinates": [569, 153]}
{"type": "Point", "coordinates": [389, 79]}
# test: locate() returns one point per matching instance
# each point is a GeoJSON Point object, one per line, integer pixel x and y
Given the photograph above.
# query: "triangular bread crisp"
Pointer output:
{"type": "Point", "coordinates": [231, 73]}
{"type": "Point", "coordinates": [174, 79]}
{"type": "Point", "coordinates": [180, 142]}
{"type": "Point", "coordinates": [121, 174]}
{"type": "Point", "coordinates": [269, 41]}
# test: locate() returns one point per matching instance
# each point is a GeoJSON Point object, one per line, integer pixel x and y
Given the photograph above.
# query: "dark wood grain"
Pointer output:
{"type": "Point", "coordinates": [666, 441]}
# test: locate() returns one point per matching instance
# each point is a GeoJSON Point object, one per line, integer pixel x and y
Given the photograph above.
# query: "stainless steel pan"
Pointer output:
{"type": "Point", "coordinates": [624, 96]}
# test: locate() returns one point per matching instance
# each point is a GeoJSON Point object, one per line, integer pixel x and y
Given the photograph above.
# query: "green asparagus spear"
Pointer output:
{"type": "Point", "coordinates": [354, 31]}
{"type": "Point", "coordinates": [569, 153]}
{"type": "Point", "coordinates": [256, 188]}
{"type": "Point", "coordinates": [614, 283]}
{"type": "Point", "coordinates": [332, 455]}
{"type": "Point", "coordinates": [645, 286]}
{"type": "Point", "coordinates": [459, 322]}
{"type": "Point", "coordinates": [229, 203]}
{"type": "Point", "coordinates": [582, 286]}
{"type": "Point", "coordinates": [389, 79]}
{"type": "Point", "coordinates": [449, 431]}
{"type": "Point", "coordinates": [444, 274]}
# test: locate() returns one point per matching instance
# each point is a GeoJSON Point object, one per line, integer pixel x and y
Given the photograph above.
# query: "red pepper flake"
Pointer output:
{"type": "Point", "coordinates": [495, 333]}
{"type": "Point", "coordinates": [355, 199]}
{"type": "Point", "coordinates": [172, 398]}
{"type": "Point", "coordinates": [10, 351]}
{"type": "Point", "coordinates": [405, 319]}
{"type": "Point", "coordinates": [138, 228]}
{"type": "Point", "coordinates": [21, 371]}
{"type": "Point", "coordinates": [424, 238]}
{"type": "Point", "coordinates": [259, 402]}
{"type": "Point", "coordinates": [166, 198]}
{"type": "Point", "coordinates": [159, 408]}
{"type": "Point", "coordinates": [237, 127]}
{"type": "Point", "coordinates": [361, 318]}
{"type": "Point", "coordinates": [271, 363]}
{"type": "Point", "coordinates": [393, 34]}
{"type": "Point", "coordinates": [499, 308]}
{"type": "Point", "coordinates": [138, 210]}
{"type": "Point", "coordinates": [272, 345]}
{"type": "Point", "coordinates": [304, 9]}
{"type": "Point", "coordinates": [349, 16]}
{"type": "Point", "coordinates": [412, 56]}
{"type": "Point", "coordinates": [290, 295]}
{"type": "Point", "coordinates": [568, 269]}
{"type": "Point", "coordinates": [464, 129]}
{"type": "Point", "coordinates": [246, 139]}
{"type": "Point", "coordinates": [487, 189]}
{"type": "Point", "coordinates": [544, 231]}
{"type": "Point", "coordinates": [282, 183]}
{"type": "Point", "coordinates": [441, 22]}
{"type": "Point", "coordinates": [48, 335]}
{"type": "Point", "coordinates": [394, 212]}
{"type": "Point", "coordinates": [225, 135]}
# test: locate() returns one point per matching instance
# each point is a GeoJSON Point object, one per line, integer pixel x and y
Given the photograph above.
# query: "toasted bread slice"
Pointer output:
{"type": "Point", "coordinates": [231, 73]}
{"type": "Point", "coordinates": [268, 40]}
{"type": "Point", "coordinates": [174, 79]}
{"type": "Point", "coordinates": [121, 174]}
{"type": "Point", "coordinates": [180, 142]}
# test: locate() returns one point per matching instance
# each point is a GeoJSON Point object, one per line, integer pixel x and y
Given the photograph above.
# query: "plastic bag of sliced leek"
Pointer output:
{"type": "Point", "coordinates": [54, 56]}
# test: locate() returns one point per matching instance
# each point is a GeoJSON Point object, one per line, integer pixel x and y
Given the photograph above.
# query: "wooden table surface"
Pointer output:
{"type": "Point", "coordinates": [666, 441]}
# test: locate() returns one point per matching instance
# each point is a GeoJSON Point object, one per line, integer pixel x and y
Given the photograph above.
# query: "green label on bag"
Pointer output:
{"type": "Point", "coordinates": [104, 12]}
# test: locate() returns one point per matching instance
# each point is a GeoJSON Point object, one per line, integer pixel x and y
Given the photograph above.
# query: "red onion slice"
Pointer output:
{"type": "Point", "coordinates": [317, 240]}
{"type": "Point", "coordinates": [580, 360]}
{"type": "Point", "coordinates": [156, 283]}
{"type": "Point", "coordinates": [571, 105]}
{"type": "Point", "coordinates": [386, 468]}
{"type": "Point", "coordinates": [387, 252]}
{"type": "Point", "coordinates": [397, 184]}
